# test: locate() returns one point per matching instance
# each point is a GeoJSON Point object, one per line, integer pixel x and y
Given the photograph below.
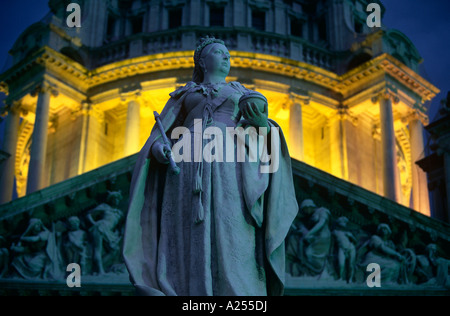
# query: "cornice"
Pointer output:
{"type": "Point", "coordinates": [384, 65]}
{"type": "Point", "coordinates": [351, 83]}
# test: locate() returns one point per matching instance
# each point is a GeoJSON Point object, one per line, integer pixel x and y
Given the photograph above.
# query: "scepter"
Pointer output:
{"type": "Point", "coordinates": [173, 166]}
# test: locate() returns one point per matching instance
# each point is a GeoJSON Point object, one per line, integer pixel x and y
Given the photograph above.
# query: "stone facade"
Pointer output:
{"type": "Point", "coordinates": [420, 245]}
{"type": "Point", "coordinates": [328, 78]}
{"type": "Point", "coordinates": [348, 98]}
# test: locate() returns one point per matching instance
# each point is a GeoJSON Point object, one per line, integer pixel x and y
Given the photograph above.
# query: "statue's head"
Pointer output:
{"type": "Point", "coordinates": [35, 225]}
{"type": "Point", "coordinates": [307, 207]}
{"type": "Point", "coordinates": [342, 221]}
{"type": "Point", "coordinates": [431, 249]}
{"type": "Point", "coordinates": [211, 56]}
{"type": "Point", "coordinates": [114, 198]}
{"type": "Point", "coordinates": [73, 223]}
{"type": "Point", "coordinates": [384, 230]}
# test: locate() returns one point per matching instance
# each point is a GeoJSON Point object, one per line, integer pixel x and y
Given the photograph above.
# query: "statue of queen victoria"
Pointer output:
{"type": "Point", "coordinates": [217, 227]}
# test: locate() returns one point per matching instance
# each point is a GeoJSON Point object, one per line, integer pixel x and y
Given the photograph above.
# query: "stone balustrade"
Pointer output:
{"type": "Point", "coordinates": [239, 39]}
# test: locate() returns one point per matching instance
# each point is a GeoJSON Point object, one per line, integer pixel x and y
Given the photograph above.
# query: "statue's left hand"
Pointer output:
{"type": "Point", "coordinates": [255, 116]}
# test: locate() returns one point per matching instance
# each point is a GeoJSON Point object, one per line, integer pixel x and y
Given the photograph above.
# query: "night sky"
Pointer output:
{"type": "Point", "coordinates": [426, 23]}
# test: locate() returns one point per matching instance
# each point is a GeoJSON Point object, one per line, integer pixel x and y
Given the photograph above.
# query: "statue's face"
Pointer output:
{"type": "Point", "coordinates": [216, 59]}
{"type": "Point", "coordinates": [74, 223]}
{"type": "Point", "coordinates": [308, 210]}
{"type": "Point", "coordinates": [432, 250]}
{"type": "Point", "coordinates": [37, 227]}
{"type": "Point", "coordinates": [384, 231]}
{"type": "Point", "coordinates": [342, 222]}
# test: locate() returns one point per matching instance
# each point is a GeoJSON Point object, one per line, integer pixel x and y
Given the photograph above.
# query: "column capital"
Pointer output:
{"type": "Point", "coordinates": [83, 108]}
{"type": "Point", "coordinates": [385, 94]}
{"type": "Point", "coordinates": [415, 115]}
{"type": "Point", "coordinates": [87, 109]}
{"type": "Point", "coordinates": [16, 107]}
{"type": "Point", "coordinates": [130, 92]}
{"type": "Point", "coordinates": [4, 88]}
{"type": "Point", "coordinates": [126, 97]}
{"type": "Point", "coordinates": [297, 98]}
{"type": "Point", "coordinates": [13, 107]}
{"type": "Point", "coordinates": [44, 87]}
{"type": "Point", "coordinates": [343, 113]}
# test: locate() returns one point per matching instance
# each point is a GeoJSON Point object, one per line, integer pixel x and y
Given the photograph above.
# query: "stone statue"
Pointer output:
{"type": "Point", "coordinates": [36, 254]}
{"type": "Point", "coordinates": [346, 251]}
{"type": "Point", "coordinates": [310, 244]}
{"type": "Point", "coordinates": [379, 249]}
{"type": "Point", "coordinates": [218, 227]}
{"type": "Point", "coordinates": [75, 242]}
{"type": "Point", "coordinates": [106, 238]}
{"type": "Point", "coordinates": [432, 269]}
{"type": "Point", "coordinates": [4, 257]}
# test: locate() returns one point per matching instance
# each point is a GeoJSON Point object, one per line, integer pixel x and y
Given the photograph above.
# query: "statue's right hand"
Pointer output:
{"type": "Point", "coordinates": [159, 151]}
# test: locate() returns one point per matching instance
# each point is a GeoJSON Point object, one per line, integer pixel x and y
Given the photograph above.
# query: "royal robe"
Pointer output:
{"type": "Point", "coordinates": [235, 245]}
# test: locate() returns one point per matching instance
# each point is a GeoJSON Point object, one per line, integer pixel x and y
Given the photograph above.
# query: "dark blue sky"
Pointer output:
{"type": "Point", "coordinates": [426, 23]}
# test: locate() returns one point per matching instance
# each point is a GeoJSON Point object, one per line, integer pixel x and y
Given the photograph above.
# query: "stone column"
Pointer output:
{"type": "Point", "coordinates": [240, 14]}
{"type": "Point", "coordinates": [154, 15]}
{"type": "Point", "coordinates": [39, 138]}
{"type": "Point", "coordinates": [421, 201]}
{"type": "Point", "coordinates": [279, 17]}
{"type": "Point", "coordinates": [338, 139]}
{"type": "Point", "coordinates": [84, 113]}
{"type": "Point", "coordinates": [376, 157]}
{"type": "Point", "coordinates": [132, 131]}
{"type": "Point", "coordinates": [196, 6]}
{"type": "Point", "coordinates": [390, 173]}
{"type": "Point", "coordinates": [296, 141]}
{"type": "Point", "coordinates": [338, 125]}
{"type": "Point", "coordinates": [9, 146]}
{"type": "Point", "coordinates": [91, 133]}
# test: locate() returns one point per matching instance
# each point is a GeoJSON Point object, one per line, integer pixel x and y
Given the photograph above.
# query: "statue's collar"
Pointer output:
{"type": "Point", "coordinates": [212, 88]}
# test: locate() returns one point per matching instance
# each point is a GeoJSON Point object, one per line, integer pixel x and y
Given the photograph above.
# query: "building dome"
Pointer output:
{"type": "Point", "coordinates": [325, 73]}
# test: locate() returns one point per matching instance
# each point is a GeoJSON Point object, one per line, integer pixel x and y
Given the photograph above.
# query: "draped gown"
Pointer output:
{"type": "Point", "coordinates": [219, 226]}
